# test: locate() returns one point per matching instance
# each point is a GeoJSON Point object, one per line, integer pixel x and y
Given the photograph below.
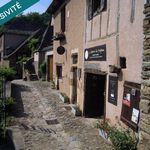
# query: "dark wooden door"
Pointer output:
{"type": "Point", "coordinates": [74, 89]}
{"type": "Point", "coordinates": [50, 67]}
{"type": "Point", "coordinates": [94, 95]}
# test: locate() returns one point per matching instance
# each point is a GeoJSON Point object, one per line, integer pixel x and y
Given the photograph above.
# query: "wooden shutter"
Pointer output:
{"type": "Point", "coordinates": [90, 9]}
{"type": "Point", "coordinates": [63, 19]}
{"type": "Point", "coordinates": [131, 100]}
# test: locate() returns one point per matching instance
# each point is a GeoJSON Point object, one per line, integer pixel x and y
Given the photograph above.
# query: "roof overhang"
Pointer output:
{"type": "Point", "coordinates": [54, 6]}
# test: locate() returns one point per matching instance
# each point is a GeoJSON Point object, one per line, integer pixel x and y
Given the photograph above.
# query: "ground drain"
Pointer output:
{"type": "Point", "coordinates": [38, 129]}
{"type": "Point", "coordinates": [52, 121]}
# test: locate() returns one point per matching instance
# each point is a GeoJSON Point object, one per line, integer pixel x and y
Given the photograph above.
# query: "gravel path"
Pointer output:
{"type": "Point", "coordinates": [46, 124]}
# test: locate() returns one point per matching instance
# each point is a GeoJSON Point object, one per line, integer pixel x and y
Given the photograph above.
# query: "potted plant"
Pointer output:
{"type": "Point", "coordinates": [103, 129]}
{"type": "Point", "coordinates": [76, 110]}
{"type": "Point", "coordinates": [64, 97]}
{"type": "Point", "coordinates": [122, 140]}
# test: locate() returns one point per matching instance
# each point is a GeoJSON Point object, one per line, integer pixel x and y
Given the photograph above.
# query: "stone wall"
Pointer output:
{"type": "Point", "coordinates": [145, 91]}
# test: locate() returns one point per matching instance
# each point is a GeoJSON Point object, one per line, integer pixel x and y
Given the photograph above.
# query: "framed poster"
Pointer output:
{"type": "Point", "coordinates": [113, 90]}
{"type": "Point", "coordinates": [130, 104]}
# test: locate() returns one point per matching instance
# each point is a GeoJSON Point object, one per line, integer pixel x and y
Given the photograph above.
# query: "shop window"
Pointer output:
{"type": "Point", "coordinates": [113, 90]}
{"type": "Point", "coordinates": [95, 7]}
{"type": "Point", "coordinates": [130, 105]}
{"type": "Point", "coordinates": [75, 59]}
{"type": "Point", "coordinates": [59, 71]}
{"type": "Point", "coordinates": [63, 19]}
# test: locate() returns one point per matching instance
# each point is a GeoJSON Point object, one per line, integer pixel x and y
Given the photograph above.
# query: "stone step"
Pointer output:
{"type": "Point", "coordinates": [16, 137]}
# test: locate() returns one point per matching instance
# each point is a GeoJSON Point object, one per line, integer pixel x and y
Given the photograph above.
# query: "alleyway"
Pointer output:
{"type": "Point", "coordinates": [47, 124]}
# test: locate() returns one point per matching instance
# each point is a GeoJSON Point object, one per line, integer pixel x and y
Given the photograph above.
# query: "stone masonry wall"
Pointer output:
{"type": "Point", "coordinates": [145, 91]}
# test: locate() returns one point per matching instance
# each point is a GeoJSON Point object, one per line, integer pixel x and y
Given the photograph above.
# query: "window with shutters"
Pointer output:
{"type": "Point", "coordinates": [130, 104]}
{"type": "Point", "coordinates": [95, 7]}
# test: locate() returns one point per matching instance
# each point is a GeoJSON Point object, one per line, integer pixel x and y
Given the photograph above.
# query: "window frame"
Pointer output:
{"type": "Point", "coordinates": [59, 71]}
{"type": "Point", "coordinates": [93, 12]}
{"type": "Point", "coordinates": [75, 59]}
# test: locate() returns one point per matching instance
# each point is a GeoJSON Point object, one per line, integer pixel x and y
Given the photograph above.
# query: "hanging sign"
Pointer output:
{"type": "Point", "coordinates": [60, 50]}
{"type": "Point", "coordinates": [97, 53]}
{"type": "Point", "coordinates": [14, 8]}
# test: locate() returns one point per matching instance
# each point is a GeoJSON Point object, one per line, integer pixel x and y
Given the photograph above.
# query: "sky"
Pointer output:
{"type": "Point", "coordinates": [40, 6]}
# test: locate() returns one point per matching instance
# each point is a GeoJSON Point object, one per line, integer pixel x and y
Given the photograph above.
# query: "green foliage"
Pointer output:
{"type": "Point", "coordinates": [33, 17]}
{"type": "Point", "coordinates": [21, 60]}
{"type": "Point", "coordinates": [121, 140]}
{"type": "Point", "coordinates": [36, 18]}
{"type": "Point", "coordinates": [65, 97]}
{"type": "Point", "coordinates": [43, 68]}
{"type": "Point", "coordinates": [7, 73]}
{"type": "Point", "coordinates": [10, 101]}
{"type": "Point", "coordinates": [103, 125]}
{"type": "Point", "coordinates": [2, 29]}
{"type": "Point", "coordinates": [32, 44]}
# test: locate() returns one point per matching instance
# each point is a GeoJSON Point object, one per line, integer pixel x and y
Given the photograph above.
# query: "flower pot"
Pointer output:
{"type": "Point", "coordinates": [64, 99]}
{"type": "Point", "coordinates": [75, 110]}
{"type": "Point", "coordinates": [103, 134]}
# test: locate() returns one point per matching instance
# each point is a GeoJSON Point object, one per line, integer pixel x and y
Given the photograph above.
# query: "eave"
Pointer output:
{"type": "Point", "coordinates": [54, 6]}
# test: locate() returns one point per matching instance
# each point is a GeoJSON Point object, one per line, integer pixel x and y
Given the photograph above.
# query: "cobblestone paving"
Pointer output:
{"type": "Point", "coordinates": [47, 125]}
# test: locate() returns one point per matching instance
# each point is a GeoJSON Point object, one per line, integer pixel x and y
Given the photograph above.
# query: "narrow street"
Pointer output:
{"type": "Point", "coordinates": [46, 123]}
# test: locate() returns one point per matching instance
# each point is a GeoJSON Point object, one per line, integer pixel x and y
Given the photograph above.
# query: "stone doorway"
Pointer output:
{"type": "Point", "coordinates": [94, 102]}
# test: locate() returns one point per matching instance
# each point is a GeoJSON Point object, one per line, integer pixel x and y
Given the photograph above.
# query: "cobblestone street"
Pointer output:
{"type": "Point", "coordinates": [47, 124]}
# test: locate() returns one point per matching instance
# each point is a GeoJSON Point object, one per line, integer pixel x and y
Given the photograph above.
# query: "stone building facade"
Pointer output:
{"type": "Point", "coordinates": [145, 91]}
{"type": "Point", "coordinates": [98, 48]}
{"type": "Point", "coordinates": [68, 39]}
{"type": "Point", "coordinates": [113, 60]}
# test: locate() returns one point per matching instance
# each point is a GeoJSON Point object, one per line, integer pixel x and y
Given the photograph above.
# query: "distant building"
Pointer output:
{"type": "Point", "coordinates": [9, 41]}
{"type": "Point", "coordinates": [44, 53]}
{"type": "Point", "coordinates": [69, 47]}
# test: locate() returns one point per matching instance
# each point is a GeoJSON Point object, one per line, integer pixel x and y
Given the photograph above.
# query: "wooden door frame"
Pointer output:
{"type": "Point", "coordinates": [48, 66]}
{"type": "Point", "coordinates": [74, 67]}
{"type": "Point", "coordinates": [97, 72]}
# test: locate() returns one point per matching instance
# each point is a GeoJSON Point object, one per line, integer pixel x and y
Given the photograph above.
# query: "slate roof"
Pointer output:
{"type": "Point", "coordinates": [24, 43]}
{"type": "Point", "coordinates": [46, 38]}
{"type": "Point", "coordinates": [54, 6]}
